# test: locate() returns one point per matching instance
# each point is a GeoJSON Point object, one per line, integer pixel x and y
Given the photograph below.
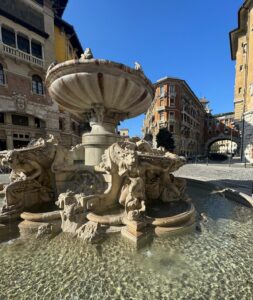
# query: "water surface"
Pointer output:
{"type": "Point", "coordinates": [214, 264]}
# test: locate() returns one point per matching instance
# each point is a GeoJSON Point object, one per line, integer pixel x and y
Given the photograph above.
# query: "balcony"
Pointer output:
{"type": "Point", "coordinates": [20, 55]}
{"type": "Point", "coordinates": [160, 108]}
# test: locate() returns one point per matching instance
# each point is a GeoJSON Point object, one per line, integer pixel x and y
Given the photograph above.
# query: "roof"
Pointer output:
{"type": "Point", "coordinates": [59, 7]}
{"type": "Point", "coordinates": [70, 30]}
{"type": "Point", "coordinates": [242, 27]}
{"type": "Point", "coordinates": [166, 78]}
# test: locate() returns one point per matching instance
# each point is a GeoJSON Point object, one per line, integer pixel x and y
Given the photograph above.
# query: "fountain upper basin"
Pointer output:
{"type": "Point", "coordinates": [79, 85]}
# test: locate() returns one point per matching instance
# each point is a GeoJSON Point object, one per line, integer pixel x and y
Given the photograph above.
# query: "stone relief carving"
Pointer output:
{"type": "Point", "coordinates": [21, 102]}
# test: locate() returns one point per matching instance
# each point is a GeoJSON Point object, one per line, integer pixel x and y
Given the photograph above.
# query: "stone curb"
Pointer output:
{"type": "Point", "coordinates": [229, 193]}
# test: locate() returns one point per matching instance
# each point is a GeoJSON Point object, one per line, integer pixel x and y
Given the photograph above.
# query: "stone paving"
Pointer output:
{"type": "Point", "coordinates": [231, 177]}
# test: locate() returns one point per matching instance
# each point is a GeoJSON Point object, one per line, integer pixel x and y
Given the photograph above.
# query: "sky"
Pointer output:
{"type": "Point", "coordinates": [187, 39]}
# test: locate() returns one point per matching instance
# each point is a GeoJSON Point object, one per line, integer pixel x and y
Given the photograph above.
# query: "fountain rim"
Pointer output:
{"type": "Point", "coordinates": [53, 72]}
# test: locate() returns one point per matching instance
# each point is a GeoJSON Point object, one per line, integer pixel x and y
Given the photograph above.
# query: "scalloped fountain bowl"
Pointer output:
{"type": "Point", "coordinates": [103, 93]}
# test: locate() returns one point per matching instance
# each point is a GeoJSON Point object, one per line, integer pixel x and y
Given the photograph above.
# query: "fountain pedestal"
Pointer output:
{"type": "Point", "coordinates": [103, 134]}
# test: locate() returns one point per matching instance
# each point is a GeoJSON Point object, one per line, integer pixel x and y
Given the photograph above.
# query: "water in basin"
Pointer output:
{"type": "Point", "coordinates": [213, 264]}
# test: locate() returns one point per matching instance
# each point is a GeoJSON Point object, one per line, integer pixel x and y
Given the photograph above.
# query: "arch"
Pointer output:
{"type": "Point", "coordinates": [37, 85]}
{"type": "Point", "coordinates": [221, 137]}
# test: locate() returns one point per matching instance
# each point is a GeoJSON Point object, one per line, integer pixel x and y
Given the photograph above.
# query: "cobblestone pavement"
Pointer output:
{"type": "Point", "coordinates": [231, 177]}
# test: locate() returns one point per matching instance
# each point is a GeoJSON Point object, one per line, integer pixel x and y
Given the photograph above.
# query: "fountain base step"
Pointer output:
{"type": "Point", "coordinates": [31, 228]}
{"type": "Point", "coordinates": [134, 236]}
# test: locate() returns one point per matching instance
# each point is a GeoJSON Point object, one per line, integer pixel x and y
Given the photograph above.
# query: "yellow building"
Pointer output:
{"type": "Point", "coordinates": [241, 42]}
{"type": "Point", "coordinates": [67, 45]}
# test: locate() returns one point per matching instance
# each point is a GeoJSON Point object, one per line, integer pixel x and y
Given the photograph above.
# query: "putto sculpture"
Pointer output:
{"type": "Point", "coordinates": [122, 186]}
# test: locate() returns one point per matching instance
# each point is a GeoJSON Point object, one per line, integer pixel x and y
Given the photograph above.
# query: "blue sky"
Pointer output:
{"type": "Point", "coordinates": [188, 39]}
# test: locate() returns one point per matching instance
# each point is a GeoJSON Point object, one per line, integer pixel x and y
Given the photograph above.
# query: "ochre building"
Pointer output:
{"type": "Point", "coordinates": [32, 36]}
{"type": "Point", "coordinates": [241, 42]}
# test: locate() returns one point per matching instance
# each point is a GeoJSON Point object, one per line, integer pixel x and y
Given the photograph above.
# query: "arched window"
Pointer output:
{"type": "Point", "coordinates": [2, 77]}
{"type": "Point", "coordinates": [37, 85]}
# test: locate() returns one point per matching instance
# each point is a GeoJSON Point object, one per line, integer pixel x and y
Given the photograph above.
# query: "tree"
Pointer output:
{"type": "Point", "coordinates": [164, 138]}
{"type": "Point", "coordinates": [148, 137]}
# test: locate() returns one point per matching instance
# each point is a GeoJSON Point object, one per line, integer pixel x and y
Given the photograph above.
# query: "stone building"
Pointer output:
{"type": "Point", "coordinates": [32, 36]}
{"type": "Point", "coordinates": [241, 43]}
{"type": "Point", "coordinates": [177, 108]}
{"type": "Point", "coordinates": [124, 132]}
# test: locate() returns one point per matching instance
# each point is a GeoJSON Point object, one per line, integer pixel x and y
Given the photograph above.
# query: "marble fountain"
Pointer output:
{"type": "Point", "coordinates": [80, 212]}
{"type": "Point", "coordinates": [121, 186]}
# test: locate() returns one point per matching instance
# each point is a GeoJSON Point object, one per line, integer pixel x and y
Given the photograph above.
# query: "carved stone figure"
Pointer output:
{"type": "Point", "coordinates": [72, 213]}
{"type": "Point", "coordinates": [145, 174]}
{"type": "Point", "coordinates": [31, 179]}
{"type": "Point", "coordinates": [87, 54]}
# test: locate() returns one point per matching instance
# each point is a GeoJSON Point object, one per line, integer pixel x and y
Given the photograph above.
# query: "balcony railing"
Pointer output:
{"type": "Point", "coordinates": [21, 55]}
{"type": "Point", "coordinates": [160, 108]}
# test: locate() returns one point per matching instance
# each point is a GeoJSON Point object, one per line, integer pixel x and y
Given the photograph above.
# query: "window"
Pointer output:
{"type": "Point", "coordinates": [172, 88]}
{"type": "Point", "coordinates": [36, 49]}
{"type": "Point", "coordinates": [171, 129]}
{"type": "Point", "coordinates": [244, 48]}
{"type": "Point", "coordinates": [162, 116]}
{"type": "Point", "coordinates": [2, 77]}
{"type": "Point", "coordinates": [40, 2]}
{"type": "Point", "coordinates": [19, 120]}
{"type": "Point", "coordinates": [8, 37]}
{"type": "Point", "coordinates": [251, 89]}
{"type": "Point", "coordinates": [172, 101]}
{"type": "Point", "coordinates": [172, 115]}
{"type": "Point", "coordinates": [37, 85]}
{"type": "Point", "coordinates": [61, 124]}
{"type": "Point", "coordinates": [239, 90]}
{"type": "Point", "coordinates": [73, 125]}
{"type": "Point", "coordinates": [241, 67]}
{"type": "Point", "coordinates": [39, 123]}
{"type": "Point", "coordinates": [23, 43]}
{"type": "Point", "coordinates": [161, 91]}
{"type": "Point", "coordinates": [1, 117]}
{"type": "Point", "coordinates": [162, 102]}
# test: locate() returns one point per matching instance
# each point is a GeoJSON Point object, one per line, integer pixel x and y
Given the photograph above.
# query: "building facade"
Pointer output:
{"type": "Point", "coordinates": [124, 132]}
{"type": "Point", "coordinates": [241, 43]}
{"type": "Point", "coordinates": [178, 109]}
{"type": "Point", "coordinates": [32, 36]}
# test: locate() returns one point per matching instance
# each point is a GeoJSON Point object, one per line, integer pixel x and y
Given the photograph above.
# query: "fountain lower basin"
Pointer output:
{"type": "Point", "coordinates": [171, 267]}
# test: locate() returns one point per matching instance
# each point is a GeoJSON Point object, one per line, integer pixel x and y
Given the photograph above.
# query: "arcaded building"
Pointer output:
{"type": "Point", "coordinates": [178, 109]}
{"type": "Point", "coordinates": [32, 36]}
{"type": "Point", "coordinates": [241, 43]}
